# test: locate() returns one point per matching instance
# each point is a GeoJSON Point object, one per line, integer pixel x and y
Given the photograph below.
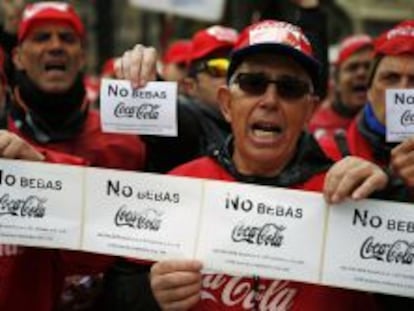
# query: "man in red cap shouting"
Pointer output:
{"type": "Point", "coordinates": [268, 100]}
{"type": "Point", "coordinates": [351, 75]}
{"type": "Point", "coordinates": [49, 110]}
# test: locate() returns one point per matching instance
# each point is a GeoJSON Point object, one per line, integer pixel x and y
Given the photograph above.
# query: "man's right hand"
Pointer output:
{"type": "Point", "coordinates": [176, 284]}
{"type": "Point", "coordinates": [14, 147]}
{"type": "Point", "coordinates": [139, 65]}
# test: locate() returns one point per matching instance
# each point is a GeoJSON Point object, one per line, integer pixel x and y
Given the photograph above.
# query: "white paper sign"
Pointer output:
{"type": "Point", "coordinates": [206, 10]}
{"type": "Point", "coordinates": [271, 232]}
{"type": "Point", "coordinates": [40, 204]}
{"type": "Point", "coordinates": [370, 245]}
{"type": "Point", "coordinates": [399, 114]}
{"type": "Point", "coordinates": [141, 215]}
{"type": "Point", "coordinates": [148, 111]}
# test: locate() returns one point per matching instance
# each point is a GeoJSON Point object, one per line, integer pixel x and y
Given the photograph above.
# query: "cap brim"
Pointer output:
{"type": "Point", "coordinates": [310, 64]}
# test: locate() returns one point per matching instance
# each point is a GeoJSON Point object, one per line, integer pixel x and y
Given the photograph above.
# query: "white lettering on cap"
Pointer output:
{"type": "Point", "coordinates": [223, 33]}
{"type": "Point", "coordinates": [31, 11]}
{"type": "Point", "coordinates": [401, 32]}
{"type": "Point", "coordinates": [275, 34]}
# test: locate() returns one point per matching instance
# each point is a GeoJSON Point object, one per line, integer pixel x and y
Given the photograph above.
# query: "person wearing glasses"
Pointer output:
{"type": "Point", "coordinates": [174, 64]}
{"type": "Point", "coordinates": [200, 123]}
{"type": "Point", "coordinates": [268, 99]}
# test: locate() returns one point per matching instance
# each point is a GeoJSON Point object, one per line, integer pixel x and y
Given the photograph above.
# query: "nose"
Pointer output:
{"type": "Point", "coordinates": [55, 43]}
{"type": "Point", "coordinates": [270, 98]}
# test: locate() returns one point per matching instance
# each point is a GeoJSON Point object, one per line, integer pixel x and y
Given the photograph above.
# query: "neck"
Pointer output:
{"type": "Point", "coordinates": [50, 110]}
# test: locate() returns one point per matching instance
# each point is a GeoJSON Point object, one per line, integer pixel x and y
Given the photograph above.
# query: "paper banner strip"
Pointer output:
{"type": "Point", "coordinates": [232, 227]}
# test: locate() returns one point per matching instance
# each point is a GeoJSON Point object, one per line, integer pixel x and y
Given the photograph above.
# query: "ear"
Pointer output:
{"type": "Point", "coordinates": [224, 99]}
{"type": "Point", "coordinates": [17, 58]}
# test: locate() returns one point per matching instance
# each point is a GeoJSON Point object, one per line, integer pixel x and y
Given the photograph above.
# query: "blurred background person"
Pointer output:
{"type": "Point", "coordinates": [350, 81]}
{"type": "Point", "coordinates": [174, 63]}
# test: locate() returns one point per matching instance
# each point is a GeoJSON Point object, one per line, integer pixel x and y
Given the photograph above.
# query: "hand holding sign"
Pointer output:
{"type": "Point", "coordinates": [176, 284]}
{"type": "Point", "coordinates": [14, 147]}
{"type": "Point", "coordinates": [137, 65]}
{"type": "Point", "coordinates": [402, 161]}
{"type": "Point", "coordinates": [353, 177]}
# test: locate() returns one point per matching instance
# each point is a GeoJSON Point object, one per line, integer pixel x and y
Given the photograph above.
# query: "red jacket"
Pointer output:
{"type": "Point", "coordinates": [225, 292]}
{"type": "Point", "coordinates": [357, 145]}
{"type": "Point", "coordinates": [326, 121]}
{"type": "Point", "coordinates": [97, 148]}
{"type": "Point", "coordinates": [32, 278]}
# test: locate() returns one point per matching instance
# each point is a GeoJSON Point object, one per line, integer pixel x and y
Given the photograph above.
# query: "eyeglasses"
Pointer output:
{"type": "Point", "coordinates": [287, 87]}
{"type": "Point", "coordinates": [216, 67]}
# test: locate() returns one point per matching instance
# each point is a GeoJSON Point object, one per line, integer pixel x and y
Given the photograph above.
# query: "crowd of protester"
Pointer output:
{"type": "Point", "coordinates": [253, 107]}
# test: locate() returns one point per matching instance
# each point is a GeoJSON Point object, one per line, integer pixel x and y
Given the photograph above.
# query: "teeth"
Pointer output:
{"type": "Point", "coordinates": [265, 133]}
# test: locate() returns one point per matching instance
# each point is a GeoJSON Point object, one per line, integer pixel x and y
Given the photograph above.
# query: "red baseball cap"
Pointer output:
{"type": "Point", "coordinates": [177, 52]}
{"type": "Point", "coordinates": [270, 36]}
{"type": "Point", "coordinates": [351, 45]}
{"type": "Point", "coordinates": [396, 41]}
{"type": "Point", "coordinates": [207, 41]}
{"type": "Point", "coordinates": [40, 12]}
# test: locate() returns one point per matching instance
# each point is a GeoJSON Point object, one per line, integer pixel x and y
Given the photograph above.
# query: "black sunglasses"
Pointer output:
{"type": "Point", "coordinates": [287, 87]}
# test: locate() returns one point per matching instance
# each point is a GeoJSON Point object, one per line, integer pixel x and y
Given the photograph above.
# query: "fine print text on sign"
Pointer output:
{"type": "Point", "coordinates": [231, 227]}
{"type": "Point", "coordinates": [151, 110]}
{"type": "Point", "coordinates": [399, 114]}
{"type": "Point", "coordinates": [145, 216]}
{"type": "Point", "coordinates": [371, 246]}
{"type": "Point", "coordinates": [259, 231]}
{"type": "Point", "coordinates": [40, 204]}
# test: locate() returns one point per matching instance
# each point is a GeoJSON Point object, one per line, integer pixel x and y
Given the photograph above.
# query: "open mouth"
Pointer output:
{"type": "Point", "coordinates": [56, 67]}
{"type": "Point", "coordinates": [360, 88]}
{"type": "Point", "coordinates": [266, 130]}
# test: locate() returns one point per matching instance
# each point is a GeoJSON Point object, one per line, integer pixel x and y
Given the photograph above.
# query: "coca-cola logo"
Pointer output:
{"type": "Point", "coordinates": [399, 251]}
{"type": "Point", "coordinates": [30, 207]}
{"type": "Point", "coordinates": [149, 219]}
{"type": "Point", "coordinates": [268, 234]}
{"type": "Point", "coordinates": [243, 294]}
{"type": "Point", "coordinates": [407, 118]}
{"type": "Point", "coordinates": [144, 111]}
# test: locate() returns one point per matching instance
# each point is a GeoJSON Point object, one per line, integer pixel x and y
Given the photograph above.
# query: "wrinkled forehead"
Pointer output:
{"type": "Point", "coordinates": [397, 63]}
{"type": "Point", "coordinates": [273, 63]}
{"type": "Point", "coordinates": [49, 26]}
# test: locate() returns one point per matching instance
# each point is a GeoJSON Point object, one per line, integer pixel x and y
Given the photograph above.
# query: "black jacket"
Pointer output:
{"type": "Point", "coordinates": [200, 129]}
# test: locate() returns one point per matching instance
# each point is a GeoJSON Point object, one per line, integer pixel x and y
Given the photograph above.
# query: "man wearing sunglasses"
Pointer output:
{"type": "Point", "coordinates": [200, 123]}
{"type": "Point", "coordinates": [268, 101]}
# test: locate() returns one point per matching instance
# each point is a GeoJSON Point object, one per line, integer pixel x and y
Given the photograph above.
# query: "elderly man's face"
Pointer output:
{"type": "Point", "coordinates": [393, 72]}
{"type": "Point", "coordinates": [267, 126]}
{"type": "Point", "coordinates": [352, 78]}
{"type": "Point", "coordinates": [52, 56]}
